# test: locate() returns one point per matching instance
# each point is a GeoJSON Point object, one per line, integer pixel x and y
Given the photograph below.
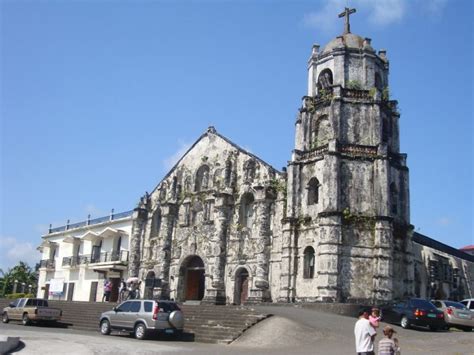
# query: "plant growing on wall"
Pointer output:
{"type": "Point", "coordinates": [354, 85]}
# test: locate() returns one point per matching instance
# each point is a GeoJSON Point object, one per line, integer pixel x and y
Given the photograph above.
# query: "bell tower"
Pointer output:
{"type": "Point", "coordinates": [348, 195]}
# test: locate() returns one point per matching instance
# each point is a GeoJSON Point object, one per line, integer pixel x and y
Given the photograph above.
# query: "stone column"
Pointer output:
{"type": "Point", "coordinates": [168, 216]}
{"type": "Point", "coordinates": [383, 261]}
{"type": "Point", "coordinates": [138, 228]}
{"type": "Point", "coordinates": [222, 207]}
{"type": "Point", "coordinates": [330, 222]}
{"type": "Point", "coordinates": [262, 253]}
{"type": "Point", "coordinates": [287, 261]}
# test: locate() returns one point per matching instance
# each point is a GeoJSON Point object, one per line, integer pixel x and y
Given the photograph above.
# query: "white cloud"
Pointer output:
{"type": "Point", "coordinates": [385, 12]}
{"type": "Point", "coordinates": [325, 19]}
{"type": "Point", "coordinates": [378, 12]}
{"type": "Point", "coordinates": [12, 251]}
{"type": "Point", "coordinates": [444, 221]}
{"type": "Point", "coordinates": [169, 162]}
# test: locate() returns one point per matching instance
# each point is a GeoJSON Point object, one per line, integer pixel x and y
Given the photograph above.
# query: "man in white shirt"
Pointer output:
{"type": "Point", "coordinates": [364, 334]}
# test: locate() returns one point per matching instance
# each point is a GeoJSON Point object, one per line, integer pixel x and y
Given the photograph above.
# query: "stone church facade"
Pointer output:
{"type": "Point", "coordinates": [223, 226]}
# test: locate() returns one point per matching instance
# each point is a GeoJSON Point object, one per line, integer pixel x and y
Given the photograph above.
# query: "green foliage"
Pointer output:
{"type": "Point", "coordinates": [358, 219]}
{"type": "Point", "coordinates": [303, 220]}
{"type": "Point", "coordinates": [386, 94]}
{"type": "Point", "coordinates": [278, 186]}
{"type": "Point", "coordinates": [354, 85]}
{"type": "Point", "coordinates": [22, 273]}
{"type": "Point", "coordinates": [324, 95]}
{"type": "Point", "coordinates": [14, 296]}
{"type": "Point", "coordinates": [372, 92]}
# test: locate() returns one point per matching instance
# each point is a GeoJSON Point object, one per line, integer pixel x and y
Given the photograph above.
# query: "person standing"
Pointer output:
{"type": "Point", "coordinates": [107, 290]}
{"type": "Point", "coordinates": [364, 334]}
{"type": "Point", "coordinates": [387, 345]}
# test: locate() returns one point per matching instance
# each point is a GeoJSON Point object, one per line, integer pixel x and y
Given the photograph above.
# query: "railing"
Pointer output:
{"type": "Point", "coordinates": [89, 222]}
{"type": "Point", "coordinates": [47, 263]}
{"type": "Point", "coordinates": [356, 94]}
{"type": "Point", "coordinates": [315, 152]}
{"type": "Point", "coordinates": [358, 150]}
{"type": "Point", "coordinates": [105, 257]}
{"type": "Point", "coordinates": [71, 261]}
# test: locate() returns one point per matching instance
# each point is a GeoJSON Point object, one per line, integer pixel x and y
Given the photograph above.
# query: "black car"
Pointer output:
{"type": "Point", "coordinates": [414, 312]}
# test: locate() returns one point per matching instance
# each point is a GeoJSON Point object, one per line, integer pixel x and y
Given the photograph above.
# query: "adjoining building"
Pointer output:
{"type": "Point", "coordinates": [223, 226]}
{"type": "Point", "coordinates": [77, 258]}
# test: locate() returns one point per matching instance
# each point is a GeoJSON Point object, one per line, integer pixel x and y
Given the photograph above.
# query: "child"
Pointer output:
{"type": "Point", "coordinates": [374, 318]}
{"type": "Point", "coordinates": [387, 345]}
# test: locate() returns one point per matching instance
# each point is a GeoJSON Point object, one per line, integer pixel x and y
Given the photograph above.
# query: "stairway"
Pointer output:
{"type": "Point", "coordinates": [203, 323]}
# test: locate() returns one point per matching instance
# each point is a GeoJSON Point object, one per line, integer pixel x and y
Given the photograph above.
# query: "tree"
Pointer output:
{"type": "Point", "coordinates": [22, 273]}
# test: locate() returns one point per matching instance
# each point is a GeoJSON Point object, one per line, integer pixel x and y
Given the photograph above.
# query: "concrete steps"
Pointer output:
{"type": "Point", "coordinates": [203, 323]}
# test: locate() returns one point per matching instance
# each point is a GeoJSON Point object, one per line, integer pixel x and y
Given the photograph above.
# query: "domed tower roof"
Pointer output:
{"type": "Point", "coordinates": [347, 40]}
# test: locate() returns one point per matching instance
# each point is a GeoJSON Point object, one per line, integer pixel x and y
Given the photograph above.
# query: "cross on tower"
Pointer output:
{"type": "Point", "coordinates": [346, 13]}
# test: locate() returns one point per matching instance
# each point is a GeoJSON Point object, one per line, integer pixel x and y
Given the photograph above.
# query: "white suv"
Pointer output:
{"type": "Point", "coordinates": [469, 303]}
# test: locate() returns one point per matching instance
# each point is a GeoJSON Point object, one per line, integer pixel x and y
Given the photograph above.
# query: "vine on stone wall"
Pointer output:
{"type": "Point", "coordinates": [367, 222]}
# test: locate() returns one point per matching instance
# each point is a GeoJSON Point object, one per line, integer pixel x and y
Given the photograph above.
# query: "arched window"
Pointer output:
{"type": "Point", "coordinates": [187, 184]}
{"type": "Point", "coordinates": [324, 79]}
{"type": "Point", "coordinates": [313, 191]}
{"type": "Point", "coordinates": [249, 170]}
{"type": "Point", "coordinates": [308, 267]}
{"type": "Point", "coordinates": [202, 178]}
{"type": "Point", "coordinates": [394, 198]}
{"type": "Point", "coordinates": [217, 179]}
{"type": "Point", "coordinates": [246, 210]}
{"type": "Point", "coordinates": [156, 223]}
{"type": "Point", "coordinates": [163, 191]}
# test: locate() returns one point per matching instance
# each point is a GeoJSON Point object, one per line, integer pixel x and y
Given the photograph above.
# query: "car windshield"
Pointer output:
{"type": "Point", "coordinates": [422, 304]}
{"type": "Point", "coordinates": [455, 305]}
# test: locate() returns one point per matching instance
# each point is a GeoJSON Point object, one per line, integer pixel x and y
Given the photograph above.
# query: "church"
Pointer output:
{"type": "Point", "coordinates": [225, 227]}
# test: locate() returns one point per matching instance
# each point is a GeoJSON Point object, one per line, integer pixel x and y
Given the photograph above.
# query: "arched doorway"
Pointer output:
{"type": "Point", "coordinates": [241, 286]}
{"type": "Point", "coordinates": [194, 279]}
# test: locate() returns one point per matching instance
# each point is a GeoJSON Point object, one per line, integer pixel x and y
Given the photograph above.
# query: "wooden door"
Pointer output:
{"type": "Point", "coordinates": [192, 284]}
{"type": "Point", "coordinates": [115, 289]}
{"type": "Point", "coordinates": [46, 292]}
{"type": "Point", "coordinates": [244, 290]}
{"type": "Point", "coordinates": [70, 291]}
{"type": "Point", "coordinates": [93, 293]}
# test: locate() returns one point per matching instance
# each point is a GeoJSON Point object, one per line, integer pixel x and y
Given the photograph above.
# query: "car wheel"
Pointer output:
{"type": "Point", "coordinates": [25, 320]}
{"type": "Point", "coordinates": [140, 331]}
{"type": "Point", "coordinates": [467, 329]}
{"type": "Point", "coordinates": [5, 318]}
{"type": "Point", "coordinates": [105, 327]}
{"type": "Point", "coordinates": [405, 323]}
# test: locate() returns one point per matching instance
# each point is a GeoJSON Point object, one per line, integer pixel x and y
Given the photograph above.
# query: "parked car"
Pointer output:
{"type": "Point", "coordinates": [469, 303]}
{"type": "Point", "coordinates": [456, 314]}
{"type": "Point", "coordinates": [28, 310]}
{"type": "Point", "coordinates": [413, 312]}
{"type": "Point", "coordinates": [142, 317]}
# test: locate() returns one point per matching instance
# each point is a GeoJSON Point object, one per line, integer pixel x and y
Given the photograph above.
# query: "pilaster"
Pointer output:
{"type": "Point", "coordinates": [138, 228]}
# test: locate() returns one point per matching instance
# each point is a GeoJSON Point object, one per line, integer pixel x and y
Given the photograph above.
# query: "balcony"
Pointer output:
{"type": "Point", "coordinates": [70, 261]}
{"type": "Point", "coordinates": [99, 261]}
{"type": "Point", "coordinates": [47, 264]}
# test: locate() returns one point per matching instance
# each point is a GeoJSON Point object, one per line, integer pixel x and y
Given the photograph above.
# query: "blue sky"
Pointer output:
{"type": "Point", "coordinates": [98, 99]}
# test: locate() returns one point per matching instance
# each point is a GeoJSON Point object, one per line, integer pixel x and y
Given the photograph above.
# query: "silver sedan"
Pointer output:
{"type": "Point", "coordinates": [456, 314]}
